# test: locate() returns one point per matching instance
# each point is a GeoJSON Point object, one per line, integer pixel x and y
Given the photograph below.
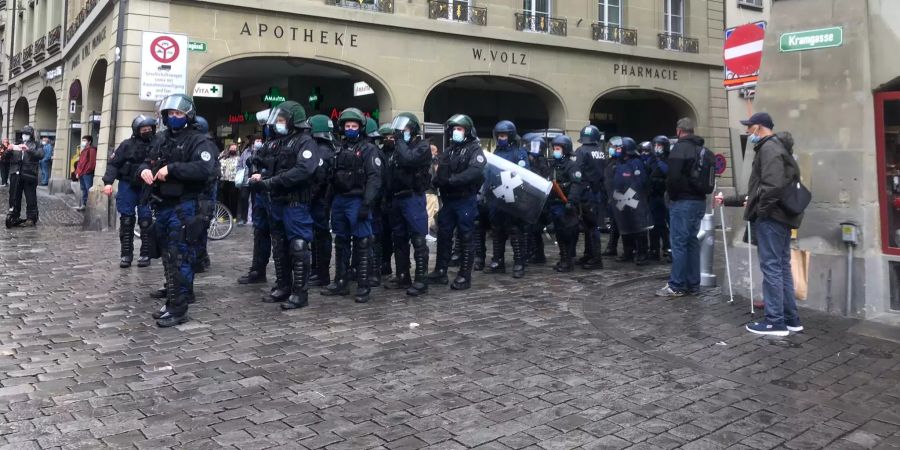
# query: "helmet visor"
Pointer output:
{"type": "Point", "coordinates": [400, 123]}
{"type": "Point", "coordinates": [615, 141]}
{"type": "Point", "coordinates": [262, 116]}
{"type": "Point", "coordinates": [279, 112]}
{"type": "Point", "coordinates": [176, 102]}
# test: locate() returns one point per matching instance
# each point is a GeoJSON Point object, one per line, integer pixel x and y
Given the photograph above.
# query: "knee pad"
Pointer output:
{"type": "Point", "coordinates": [299, 245]}
{"type": "Point", "coordinates": [418, 241]}
{"type": "Point", "coordinates": [145, 223]}
{"type": "Point", "coordinates": [364, 243]}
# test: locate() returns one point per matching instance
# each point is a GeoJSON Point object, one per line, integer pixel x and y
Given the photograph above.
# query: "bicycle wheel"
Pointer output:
{"type": "Point", "coordinates": [222, 223]}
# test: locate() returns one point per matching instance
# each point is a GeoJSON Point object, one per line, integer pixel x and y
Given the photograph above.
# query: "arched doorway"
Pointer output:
{"type": "Point", "coordinates": [20, 116]}
{"type": "Point", "coordinates": [488, 99]}
{"type": "Point", "coordinates": [639, 113]}
{"type": "Point", "coordinates": [45, 113]}
{"type": "Point", "coordinates": [321, 87]}
{"type": "Point", "coordinates": [94, 100]}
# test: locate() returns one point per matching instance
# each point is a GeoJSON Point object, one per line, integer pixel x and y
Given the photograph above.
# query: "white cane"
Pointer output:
{"type": "Point", "coordinates": [750, 264]}
{"type": "Point", "coordinates": [725, 245]}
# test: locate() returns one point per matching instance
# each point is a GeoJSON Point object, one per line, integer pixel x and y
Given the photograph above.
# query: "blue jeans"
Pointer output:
{"type": "Point", "coordinates": [684, 224]}
{"type": "Point", "coordinates": [774, 245]}
{"type": "Point", "coordinates": [86, 181]}
{"type": "Point", "coordinates": [45, 171]}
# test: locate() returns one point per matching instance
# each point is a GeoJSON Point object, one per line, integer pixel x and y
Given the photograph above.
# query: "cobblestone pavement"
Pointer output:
{"type": "Point", "coordinates": [588, 360]}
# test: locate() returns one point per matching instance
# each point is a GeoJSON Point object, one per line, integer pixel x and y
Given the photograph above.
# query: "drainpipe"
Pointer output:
{"type": "Point", "coordinates": [12, 44]}
{"type": "Point", "coordinates": [114, 110]}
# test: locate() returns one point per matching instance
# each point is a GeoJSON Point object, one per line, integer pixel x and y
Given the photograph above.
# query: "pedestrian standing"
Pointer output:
{"type": "Point", "coordinates": [228, 191]}
{"type": "Point", "coordinates": [179, 169]}
{"type": "Point", "coordinates": [4, 162]}
{"type": "Point", "coordinates": [47, 161]}
{"type": "Point", "coordinates": [774, 167]}
{"type": "Point", "coordinates": [459, 175]}
{"type": "Point", "coordinates": [243, 189]}
{"type": "Point", "coordinates": [24, 161]}
{"type": "Point", "coordinates": [84, 169]}
{"type": "Point", "coordinates": [686, 210]}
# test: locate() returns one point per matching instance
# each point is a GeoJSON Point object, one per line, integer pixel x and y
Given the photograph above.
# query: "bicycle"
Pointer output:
{"type": "Point", "coordinates": [220, 226]}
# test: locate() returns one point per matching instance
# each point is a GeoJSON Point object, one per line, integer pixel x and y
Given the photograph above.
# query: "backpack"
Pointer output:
{"type": "Point", "coordinates": [702, 177]}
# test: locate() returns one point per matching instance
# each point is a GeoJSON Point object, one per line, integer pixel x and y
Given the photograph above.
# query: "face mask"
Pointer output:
{"type": "Point", "coordinates": [502, 142]}
{"type": "Point", "coordinates": [281, 128]}
{"type": "Point", "coordinates": [612, 152]}
{"type": "Point", "coordinates": [26, 138]}
{"type": "Point", "coordinates": [257, 145]}
{"type": "Point", "coordinates": [658, 150]}
{"type": "Point", "coordinates": [177, 123]}
{"type": "Point", "coordinates": [557, 154]}
{"type": "Point", "coordinates": [146, 135]}
{"type": "Point", "coordinates": [407, 136]}
{"type": "Point", "coordinates": [351, 134]}
{"type": "Point", "coordinates": [459, 136]}
{"type": "Point", "coordinates": [753, 139]}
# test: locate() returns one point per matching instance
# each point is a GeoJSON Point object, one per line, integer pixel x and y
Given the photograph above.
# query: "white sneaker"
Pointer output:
{"type": "Point", "coordinates": [667, 291]}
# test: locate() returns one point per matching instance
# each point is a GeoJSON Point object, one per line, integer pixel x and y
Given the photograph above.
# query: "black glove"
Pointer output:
{"type": "Point", "coordinates": [363, 213]}
{"type": "Point", "coordinates": [442, 176]}
{"type": "Point", "coordinates": [570, 207]}
{"type": "Point", "coordinates": [257, 185]}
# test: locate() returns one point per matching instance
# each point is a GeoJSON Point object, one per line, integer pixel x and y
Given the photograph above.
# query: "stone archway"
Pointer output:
{"type": "Point", "coordinates": [491, 98]}
{"type": "Point", "coordinates": [20, 114]}
{"type": "Point", "coordinates": [46, 111]}
{"type": "Point", "coordinates": [93, 100]}
{"type": "Point", "coordinates": [639, 113]}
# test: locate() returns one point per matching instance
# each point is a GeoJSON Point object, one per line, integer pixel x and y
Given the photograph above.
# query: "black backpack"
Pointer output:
{"type": "Point", "coordinates": [703, 172]}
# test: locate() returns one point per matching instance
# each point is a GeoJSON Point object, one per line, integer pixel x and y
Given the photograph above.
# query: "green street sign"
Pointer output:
{"type": "Point", "coordinates": [197, 46]}
{"type": "Point", "coordinates": [812, 39]}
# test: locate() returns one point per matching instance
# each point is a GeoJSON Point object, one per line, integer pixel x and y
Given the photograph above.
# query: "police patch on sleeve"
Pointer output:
{"type": "Point", "coordinates": [521, 163]}
{"type": "Point", "coordinates": [578, 175]}
{"type": "Point", "coordinates": [480, 159]}
{"type": "Point", "coordinates": [307, 154]}
{"type": "Point", "coordinates": [378, 162]}
{"type": "Point", "coordinates": [637, 172]}
{"type": "Point", "coordinates": [205, 156]}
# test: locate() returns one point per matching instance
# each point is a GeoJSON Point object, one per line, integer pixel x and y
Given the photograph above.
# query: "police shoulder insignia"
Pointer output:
{"type": "Point", "coordinates": [378, 161]}
{"type": "Point", "coordinates": [577, 174]}
{"type": "Point", "coordinates": [307, 154]}
{"type": "Point", "coordinates": [480, 159]}
{"type": "Point", "coordinates": [522, 163]}
{"type": "Point", "coordinates": [637, 172]}
{"type": "Point", "coordinates": [205, 156]}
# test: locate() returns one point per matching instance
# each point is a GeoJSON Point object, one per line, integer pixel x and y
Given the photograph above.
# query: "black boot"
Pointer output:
{"type": "Point", "coordinates": [588, 248]}
{"type": "Point", "coordinates": [202, 263]}
{"type": "Point", "coordinates": [126, 239]}
{"type": "Point", "coordinates": [300, 268]}
{"type": "Point", "coordinates": [479, 251]}
{"type": "Point", "coordinates": [341, 260]}
{"type": "Point", "coordinates": [518, 247]}
{"type": "Point", "coordinates": [280, 259]}
{"type": "Point", "coordinates": [322, 252]}
{"type": "Point", "coordinates": [456, 253]}
{"type": "Point", "coordinates": [261, 248]}
{"type": "Point", "coordinates": [536, 248]}
{"type": "Point", "coordinates": [463, 279]}
{"type": "Point", "coordinates": [354, 259]}
{"type": "Point", "coordinates": [168, 285]}
{"type": "Point", "coordinates": [146, 240]}
{"type": "Point", "coordinates": [565, 255]}
{"type": "Point", "coordinates": [363, 277]}
{"type": "Point", "coordinates": [640, 244]}
{"type": "Point", "coordinates": [375, 262]}
{"type": "Point", "coordinates": [439, 275]}
{"type": "Point", "coordinates": [595, 262]}
{"type": "Point", "coordinates": [612, 247]}
{"type": "Point", "coordinates": [401, 259]}
{"type": "Point", "coordinates": [420, 254]}
{"type": "Point", "coordinates": [498, 262]}
{"type": "Point", "coordinates": [627, 249]}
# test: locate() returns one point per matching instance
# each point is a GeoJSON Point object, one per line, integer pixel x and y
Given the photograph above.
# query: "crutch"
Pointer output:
{"type": "Point", "coordinates": [725, 245]}
{"type": "Point", "coordinates": [750, 264]}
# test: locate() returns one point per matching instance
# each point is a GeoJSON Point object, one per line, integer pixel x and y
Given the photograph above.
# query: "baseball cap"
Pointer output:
{"type": "Point", "coordinates": [760, 118]}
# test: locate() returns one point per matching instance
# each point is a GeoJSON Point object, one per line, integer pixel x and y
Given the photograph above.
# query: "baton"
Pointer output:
{"type": "Point", "coordinates": [559, 192]}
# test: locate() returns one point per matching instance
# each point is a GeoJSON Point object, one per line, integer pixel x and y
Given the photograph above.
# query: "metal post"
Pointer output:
{"type": "Point", "coordinates": [707, 238]}
{"type": "Point", "coordinates": [849, 279]}
{"type": "Point", "coordinates": [750, 263]}
{"type": "Point", "coordinates": [725, 247]}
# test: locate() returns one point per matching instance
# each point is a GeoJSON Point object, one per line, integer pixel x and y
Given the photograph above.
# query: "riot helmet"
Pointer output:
{"type": "Point", "coordinates": [386, 130]}
{"type": "Point", "coordinates": [372, 129]}
{"type": "Point", "coordinates": [629, 147]}
{"type": "Point", "coordinates": [615, 147]}
{"type": "Point", "coordinates": [286, 117]}
{"type": "Point", "coordinates": [321, 127]}
{"type": "Point", "coordinates": [352, 115]}
{"type": "Point", "coordinates": [463, 121]}
{"type": "Point", "coordinates": [565, 143]}
{"type": "Point", "coordinates": [661, 146]}
{"type": "Point", "coordinates": [645, 148]}
{"type": "Point", "coordinates": [537, 146]}
{"type": "Point", "coordinates": [406, 120]}
{"type": "Point", "coordinates": [509, 129]}
{"type": "Point", "coordinates": [201, 124]}
{"type": "Point", "coordinates": [180, 103]}
{"type": "Point", "coordinates": [141, 121]}
{"type": "Point", "coordinates": [590, 135]}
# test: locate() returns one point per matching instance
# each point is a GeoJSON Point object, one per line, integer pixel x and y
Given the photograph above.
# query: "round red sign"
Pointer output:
{"type": "Point", "coordinates": [164, 49]}
{"type": "Point", "coordinates": [743, 49]}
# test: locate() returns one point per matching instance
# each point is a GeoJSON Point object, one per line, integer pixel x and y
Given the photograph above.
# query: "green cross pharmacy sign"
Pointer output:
{"type": "Point", "coordinates": [811, 39]}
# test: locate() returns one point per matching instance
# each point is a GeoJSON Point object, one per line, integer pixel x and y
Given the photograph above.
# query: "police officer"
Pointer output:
{"type": "Point", "coordinates": [504, 225]}
{"type": "Point", "coordinates": [614, 147]}
{"type": "Point", "coordinates": [381, 234]}
{"type": "Point", "coordinates": [322, 129]}
{"type": "Point", "coordinates": [123, 166]}
{"type": "Point", "coordinates": [409, 167]}
{"type": "Point", "coordinates": [458, 177]}
{"type": "Point", "coordinates": [591, 160]}
{"type": "Point", "coordinates": [659, 169]}
{"type": "Point", "coordinates": [207, 201]}
{"type": "Point", "coordinates": [565, 195]}
{"type": "Point", "coordinates": [356, 181]}
{"type": "Point", "coordinates": [290, 190]}
{"type": "Point", "coordinates": [539, 164]}
{"type": "Point", "coordinates": [259, 163]}
{"type": "Point", "coordinates": [23, 180]}
{"type": "Point", "coordinates": [178, 167]}
{"type": "Point", "coordinates": [629, 200]}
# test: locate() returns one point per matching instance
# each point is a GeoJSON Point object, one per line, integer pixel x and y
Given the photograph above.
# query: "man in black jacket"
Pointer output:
{"type": "Point", "coordinates": [688, 205]}
{"type": "Point", "coordinates": [23, 162]}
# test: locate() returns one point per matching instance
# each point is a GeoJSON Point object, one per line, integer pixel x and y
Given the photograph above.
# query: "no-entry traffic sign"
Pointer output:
{"type": "Point", "coordinates": [164, 49]}
{"type": "Point", "coordinates": [163, 65]}
{"type": "Point", "coordinates": [743, 49]}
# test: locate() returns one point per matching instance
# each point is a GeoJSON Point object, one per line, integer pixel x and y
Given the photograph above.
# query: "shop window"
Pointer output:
{"type": "Point", "coordinates": [887, 123]}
